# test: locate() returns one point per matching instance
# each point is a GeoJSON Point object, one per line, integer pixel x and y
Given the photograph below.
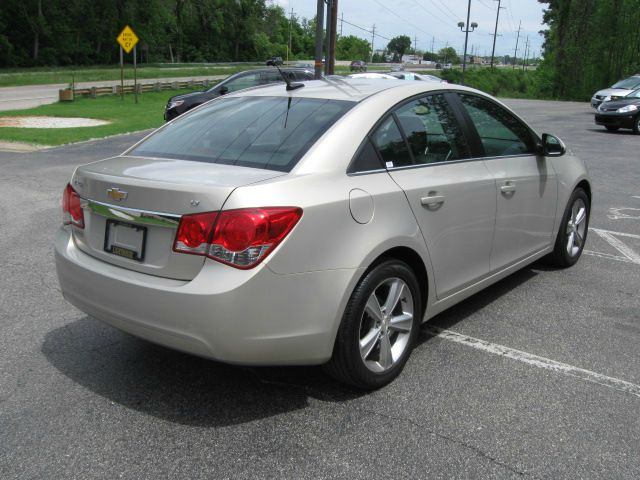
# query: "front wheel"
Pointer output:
{"type": "Point", "coordinates": [378, 328]}
{"type": "Point", "coordinates": [636, 125]}
{"type": "Point", "coordinates": [573, 230]}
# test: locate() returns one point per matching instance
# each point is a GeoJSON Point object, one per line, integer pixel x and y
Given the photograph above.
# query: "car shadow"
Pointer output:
{"type": "Point", "coordinates": [608, 132]}
{"type": "Point", "coordinates": [480, 300]}
{"type": "Point", "coordinates": [179, 387]}
{"type": "Point", "coordinates": [190, 390]}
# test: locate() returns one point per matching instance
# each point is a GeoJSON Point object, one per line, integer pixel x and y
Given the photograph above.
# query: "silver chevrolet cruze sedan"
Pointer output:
{"type": "Point", "coordinates": [320, 225]}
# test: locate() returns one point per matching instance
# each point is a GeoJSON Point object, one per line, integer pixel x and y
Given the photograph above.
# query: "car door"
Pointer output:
{"type": "Point", "coordinates": [452, 197]}
{"type": "Point", "coordinates": [526, 184]}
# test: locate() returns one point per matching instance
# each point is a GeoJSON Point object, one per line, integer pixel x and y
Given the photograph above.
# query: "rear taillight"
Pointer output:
{"type": "Point", "coordinates": [240, 238]}
{"type": "Point", "coordinates": [194, 233]}
{"type": "Point", "coordinates": [72, 213]}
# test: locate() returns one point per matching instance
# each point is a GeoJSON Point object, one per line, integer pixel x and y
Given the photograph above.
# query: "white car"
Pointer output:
{"type": "Point", "coordinates": [619, 89]}
{"type": "Point", "coordinates": [321, 223]}
{"type": "Point", "coordinates": [372, 76]}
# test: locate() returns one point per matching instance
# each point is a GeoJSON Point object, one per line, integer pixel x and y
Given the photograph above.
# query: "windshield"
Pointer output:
{"type": "Point", "coordinates": [261, 132]}
{"type": "Point", "coordinates": [629, 83]}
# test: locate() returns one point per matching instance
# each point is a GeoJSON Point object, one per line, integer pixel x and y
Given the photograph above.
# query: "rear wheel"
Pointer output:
{"type": "Point", "coordinates": [612, 129]}
{"type": "Point", "coordinates": [573, 230]}
{"type": "Point", "coordinates": [379, 327]}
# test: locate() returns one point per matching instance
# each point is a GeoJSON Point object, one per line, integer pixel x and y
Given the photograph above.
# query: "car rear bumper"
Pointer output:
{"type": "Point", "coordinates": [617, 120]}
{"type": "Point", "coordinates": [252, 317]}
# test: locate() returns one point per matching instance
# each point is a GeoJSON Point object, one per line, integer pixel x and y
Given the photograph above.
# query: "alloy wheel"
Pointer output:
{"type": "Point", "coordinates": [576, 228]}
{"type": "Point", "coordinates": [385, 325]}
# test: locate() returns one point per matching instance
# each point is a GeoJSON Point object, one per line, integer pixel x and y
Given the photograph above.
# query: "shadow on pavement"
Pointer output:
{"type": "Point", "coordinates": [480, 300]}
{"type": "Point", "coordinates": [178, 387]}
{"type": "Point", "coordinates": [190, 390]}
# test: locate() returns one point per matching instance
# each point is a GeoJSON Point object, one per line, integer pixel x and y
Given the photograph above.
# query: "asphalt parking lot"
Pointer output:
{"type": "Point", "coordinates": [537, 376]}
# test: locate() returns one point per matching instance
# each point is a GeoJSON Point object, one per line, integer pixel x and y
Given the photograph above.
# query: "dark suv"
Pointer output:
{"type": "Point", "coordinates": [358, 66]}
{"type": "Point", "coordinates": [252, 78]}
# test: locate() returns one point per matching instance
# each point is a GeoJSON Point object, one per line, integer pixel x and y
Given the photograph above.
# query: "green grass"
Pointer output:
{"type": "Point", "coordinates": [126, 116]}
{"type": "Point", "coordinates": [43, 76]}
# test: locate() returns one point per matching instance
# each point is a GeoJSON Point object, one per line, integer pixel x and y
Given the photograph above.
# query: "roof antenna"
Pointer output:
{"type": "Point", "coordinates": [290, 86]}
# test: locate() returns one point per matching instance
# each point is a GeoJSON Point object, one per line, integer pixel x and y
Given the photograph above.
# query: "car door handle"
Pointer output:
{"type": "Point", "coordinates": [508, 188]}
{"type": "Point", "coordinates": [432, 200]}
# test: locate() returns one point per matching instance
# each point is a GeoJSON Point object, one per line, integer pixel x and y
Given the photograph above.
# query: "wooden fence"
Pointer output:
{"type": "Point", "coordinates": [93, 92]}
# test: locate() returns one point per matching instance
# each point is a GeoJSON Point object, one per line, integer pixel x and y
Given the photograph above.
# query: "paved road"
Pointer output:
{"type": "Point", "coordinates": [15, 98]}
{"type": "Point", "coordinates": [79, 399]}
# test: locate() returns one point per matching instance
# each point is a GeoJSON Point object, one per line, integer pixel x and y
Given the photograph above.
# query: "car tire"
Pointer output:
{"type": "Point", "coordinates": [612, 129]}
{"type": "Point", "coordinates": [572, 234]}
{"type": "Point", "coordinates": [636, 125]}
{"type": "Point", "coordinates": [371, 347]}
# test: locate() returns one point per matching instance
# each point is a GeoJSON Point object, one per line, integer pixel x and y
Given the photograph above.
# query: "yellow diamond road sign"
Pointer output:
{"type": "Point", "coordinates": [127, 39]}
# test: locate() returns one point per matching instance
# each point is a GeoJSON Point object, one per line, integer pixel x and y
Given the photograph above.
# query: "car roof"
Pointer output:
{"type": "Point", "coordinates": [348, 89]}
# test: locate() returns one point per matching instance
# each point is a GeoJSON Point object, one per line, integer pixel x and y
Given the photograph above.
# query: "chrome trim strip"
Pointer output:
{"type": "Point", "coordinates": [158, 219]}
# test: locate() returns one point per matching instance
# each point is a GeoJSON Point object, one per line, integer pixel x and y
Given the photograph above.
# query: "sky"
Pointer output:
{"type": "Point", "coordinates": [436, 21]}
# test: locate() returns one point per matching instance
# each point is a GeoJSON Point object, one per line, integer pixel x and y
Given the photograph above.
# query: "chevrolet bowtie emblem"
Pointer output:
{"type": "Point", "coordinates": [116, 194]}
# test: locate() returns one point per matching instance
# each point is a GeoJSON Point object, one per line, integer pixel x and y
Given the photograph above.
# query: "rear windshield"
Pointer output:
{"type": "Point", "coordinates": [629, 83]}
{"type": "Point", "coordinates": [262, 132]}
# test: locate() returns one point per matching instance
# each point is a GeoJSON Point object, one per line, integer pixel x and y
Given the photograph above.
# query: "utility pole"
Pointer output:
{"type": "Point", "coordinates": [495, 33]}
{"type": "Point", "coordinates": [341, 22]}
{"type": "Point", "coordinates": [331, 61]}
{"type": "Point", "coordinates": [319, 30]}
{"type": "Point", "coordinates": [373, 36]}
{"type": "Point", "coordinates": [526, 52]}
{"type": "Point", "coordinates": [290, 22]}
{"type": "Point", "coordinates": [415, 45]}
{"type": "Point", "coordinates": [515, 54]}
{"type": "Point", "coordinates": [328, 36]}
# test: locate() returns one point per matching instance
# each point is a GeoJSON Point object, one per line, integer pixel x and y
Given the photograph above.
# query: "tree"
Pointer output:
{"type": "Point", "coordinates": [352, 48]}
{"type": "Point", "coordinates": [448, 55]}
{"type": "Point", "coordinates": [399, 45]}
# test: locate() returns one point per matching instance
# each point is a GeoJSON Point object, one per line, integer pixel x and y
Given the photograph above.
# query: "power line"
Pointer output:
{"type": "Point", "coordinates": [365, 29]}
{"type": "Point", "coordinates": [453, 14]}
{"type": "Point", "coordinates": [447, 14]}
{"type": "Point", "coordinates": [403, 19]}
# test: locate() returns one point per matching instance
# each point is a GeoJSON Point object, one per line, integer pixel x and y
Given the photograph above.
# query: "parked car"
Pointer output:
{"type": "Point", "coordinates": [620, 89]}
{"type": "Point", "coordinates": [417, 76]}
{"type": "Point", "coordinates": [372, 75]}
{"type": "Point", "coordinates": [320, 225]}
{"type": "Point", "coordinates": [358, 66]}
{"type": "Point", "coordinates": [274, 61]}
{"type": "Point", "coordinates": [397, 67]}
{"type": "Point", "coordinates": [620, 112]}
{"type": "Point", "coordinates": [179, 104]}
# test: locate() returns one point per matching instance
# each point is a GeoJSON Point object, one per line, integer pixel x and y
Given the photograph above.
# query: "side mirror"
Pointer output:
{"type": "Point", "coordinates": [223, 90]}
{"type": "Point", "coordinates": [552, 146]}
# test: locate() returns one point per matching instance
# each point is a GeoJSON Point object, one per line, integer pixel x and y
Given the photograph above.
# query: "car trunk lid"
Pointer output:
{"type": "Point", "coordinates": [132, 207]}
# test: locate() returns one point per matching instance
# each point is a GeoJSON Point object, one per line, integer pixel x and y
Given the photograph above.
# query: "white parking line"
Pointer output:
{"type": "Point", "coordinates": [628, 253]}
{"type": "Point", "coordinates": [535, 360]}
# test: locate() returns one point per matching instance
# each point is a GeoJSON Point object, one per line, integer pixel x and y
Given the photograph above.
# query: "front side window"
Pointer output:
{"type": "Point", "coordinates": [261, 132]}
{"type": "Point", "coordinates": [432, 130]}
{"type": "Point", "coordinates": [500, 132]}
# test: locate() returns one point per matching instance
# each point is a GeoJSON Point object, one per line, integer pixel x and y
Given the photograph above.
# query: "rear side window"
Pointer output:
{"type": "Point", "coordinates": [261, 132]}
{"type": "Point", "coordinates": [500, 132]}
{"type": "Point", "coordinates": [392, 147]}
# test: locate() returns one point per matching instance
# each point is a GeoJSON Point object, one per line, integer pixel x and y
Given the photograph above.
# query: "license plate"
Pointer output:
{"type": "Point", "coordinates": [125, 240]}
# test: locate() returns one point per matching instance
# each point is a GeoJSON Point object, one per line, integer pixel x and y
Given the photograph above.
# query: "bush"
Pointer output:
{"type": "Point", "coordinates": [501, 82]}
